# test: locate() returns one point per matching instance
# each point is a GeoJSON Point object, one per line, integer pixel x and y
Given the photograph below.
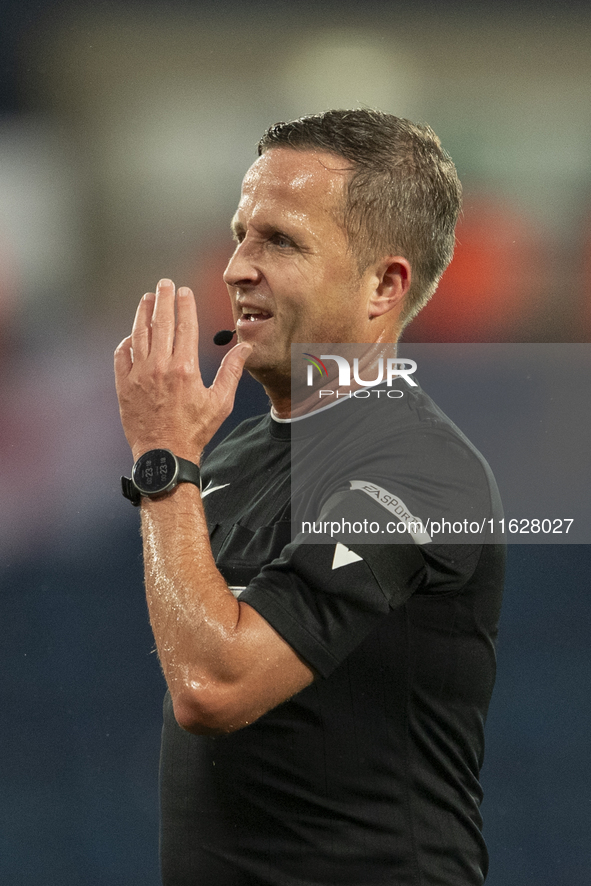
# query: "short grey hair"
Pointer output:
{"type": "Point", "coordinates": [403, 196]}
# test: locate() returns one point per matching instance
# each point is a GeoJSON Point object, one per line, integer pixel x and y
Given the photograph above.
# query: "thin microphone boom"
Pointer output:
{"type": "Point", "coordinates": [224, 336]}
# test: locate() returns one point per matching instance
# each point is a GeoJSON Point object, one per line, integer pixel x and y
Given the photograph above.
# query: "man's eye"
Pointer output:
{"type": "Point", "coordinates": [281, 240]}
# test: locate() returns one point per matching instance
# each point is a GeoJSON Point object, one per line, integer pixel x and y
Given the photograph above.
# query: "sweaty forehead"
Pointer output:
{"type": "Point", "coordinates": [299, 178]}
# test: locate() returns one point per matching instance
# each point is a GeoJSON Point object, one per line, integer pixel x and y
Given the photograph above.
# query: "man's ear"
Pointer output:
{"type": "Point", "coordinates": [391, 282]}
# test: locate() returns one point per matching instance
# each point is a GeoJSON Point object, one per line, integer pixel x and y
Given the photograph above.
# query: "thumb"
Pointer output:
{"type": "Point", "coordinates": [230, 371]}
{"type": "Point", "coordinates": [123, 359]}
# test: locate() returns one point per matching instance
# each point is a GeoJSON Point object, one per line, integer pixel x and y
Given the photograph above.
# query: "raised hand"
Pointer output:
{"type": "Point", "coordinates": [162, 399]}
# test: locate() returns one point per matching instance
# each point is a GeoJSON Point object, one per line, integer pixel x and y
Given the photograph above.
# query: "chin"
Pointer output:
{"type": "Point", "coordinates": [268, 370]}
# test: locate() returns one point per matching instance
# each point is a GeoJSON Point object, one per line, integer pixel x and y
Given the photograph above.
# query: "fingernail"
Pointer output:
{"type": "Point", "coordinates": [165, 282]}
{"type": "Point", "coordinates": [149, 296]}
{"type": "Point", "coordinates": [184, 290]}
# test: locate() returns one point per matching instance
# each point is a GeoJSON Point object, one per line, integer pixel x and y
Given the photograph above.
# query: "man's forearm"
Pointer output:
{"type": "Point", "coordinates": [194, 616]}
{"type": "Point", "coordinates": [184, 587]}
{"type": "Point", "coordinates": [224, 665]}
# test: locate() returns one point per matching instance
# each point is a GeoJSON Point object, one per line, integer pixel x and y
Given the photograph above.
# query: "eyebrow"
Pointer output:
{"type": "Point", "coordinates": [266, 229]}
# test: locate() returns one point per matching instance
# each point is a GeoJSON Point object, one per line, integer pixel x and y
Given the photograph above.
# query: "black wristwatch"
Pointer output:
{"type": "Point", "coordinates": [158, 472]}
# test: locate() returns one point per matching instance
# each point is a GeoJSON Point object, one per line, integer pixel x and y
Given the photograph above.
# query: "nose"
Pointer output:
{"type": "Point", "coordinates": [242, 269]}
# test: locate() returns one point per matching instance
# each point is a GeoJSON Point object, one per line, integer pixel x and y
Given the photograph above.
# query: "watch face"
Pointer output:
{"type": "Point", "coordinates": [155, 471]}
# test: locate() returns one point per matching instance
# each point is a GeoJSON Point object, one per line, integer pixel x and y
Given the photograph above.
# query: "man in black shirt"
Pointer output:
{"type": "Point", "coordinates": [324, 718]}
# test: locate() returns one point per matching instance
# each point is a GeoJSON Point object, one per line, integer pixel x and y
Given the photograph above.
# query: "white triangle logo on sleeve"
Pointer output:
{"type": "Point", "coordinates": [343, 556]}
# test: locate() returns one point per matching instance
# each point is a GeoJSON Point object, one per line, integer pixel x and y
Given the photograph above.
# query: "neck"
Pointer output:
{"type": "Point", "coordinates": [292, 402]}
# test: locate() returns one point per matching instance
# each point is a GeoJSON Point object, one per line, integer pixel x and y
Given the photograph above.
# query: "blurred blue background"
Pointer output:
{"type": "Point", "coordinates": [125, 129]}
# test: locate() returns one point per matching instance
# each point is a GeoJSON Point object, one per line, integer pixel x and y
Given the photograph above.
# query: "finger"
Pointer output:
{"type": "Point", "coordinates": [141, 332]}
{"type": "Point", "coordinates": [186, 339]}
{"type": "Point", "coordinates": [163, 320]}
{"type": "Point", "coordinates": [230, 372]}
{"type": "Point", "coordinates": [123, 360]}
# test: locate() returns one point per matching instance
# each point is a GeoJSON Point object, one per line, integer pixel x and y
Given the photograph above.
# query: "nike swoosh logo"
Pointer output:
{"type": "Point", "coordinates": [211, 488]}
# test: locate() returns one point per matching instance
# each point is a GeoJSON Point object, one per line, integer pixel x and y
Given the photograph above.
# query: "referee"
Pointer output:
{"type": "Point", "coordinates": [323, 724]}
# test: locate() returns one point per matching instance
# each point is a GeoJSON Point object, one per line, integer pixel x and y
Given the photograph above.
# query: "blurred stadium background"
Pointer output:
{"type": "Point", "coordinates": [125, 129]}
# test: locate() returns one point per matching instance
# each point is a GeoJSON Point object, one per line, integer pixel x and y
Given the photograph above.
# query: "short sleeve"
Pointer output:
{"type": "Point", "coordinates": [324, 599]}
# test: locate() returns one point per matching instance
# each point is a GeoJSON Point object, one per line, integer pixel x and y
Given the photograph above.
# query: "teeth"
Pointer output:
{"type": "Point", "coordinates": [253, 314]}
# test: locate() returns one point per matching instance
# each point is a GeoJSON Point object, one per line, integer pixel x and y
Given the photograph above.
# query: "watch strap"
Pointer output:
{"type": "Point", "coordinates": [130, 491]}
{"type": "Point", "coordinates": [188, 472]}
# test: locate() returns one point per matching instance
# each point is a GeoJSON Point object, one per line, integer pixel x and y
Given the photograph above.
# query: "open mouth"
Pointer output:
{"type": "Point", "coordinates": [252, 316]}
